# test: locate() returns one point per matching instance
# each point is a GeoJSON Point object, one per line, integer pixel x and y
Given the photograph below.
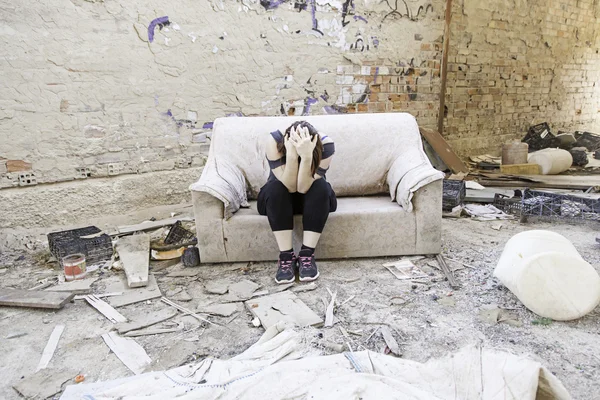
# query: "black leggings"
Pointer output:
{"type": "Point", "coordinates": [280, 206]}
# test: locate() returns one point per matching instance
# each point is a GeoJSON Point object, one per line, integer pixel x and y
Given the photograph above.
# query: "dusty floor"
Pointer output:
{"type": "Point", "coordinates": [427, 321]}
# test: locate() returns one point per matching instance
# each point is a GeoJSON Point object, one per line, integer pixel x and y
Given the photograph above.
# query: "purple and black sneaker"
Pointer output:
{"type": "Point", "coordinates": [286, 268]}
{"type": "Point", "coordinates": [308, 266]}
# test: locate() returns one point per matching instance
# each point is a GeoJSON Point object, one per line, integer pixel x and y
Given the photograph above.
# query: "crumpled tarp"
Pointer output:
{"type": "Point", "coordinates": [276, 367]}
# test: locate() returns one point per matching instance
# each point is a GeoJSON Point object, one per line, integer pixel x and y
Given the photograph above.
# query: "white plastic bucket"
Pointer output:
{"type": "Point", "coordinates": [551, 161]}
{"type": "Point", "coordinates": [545, 271]}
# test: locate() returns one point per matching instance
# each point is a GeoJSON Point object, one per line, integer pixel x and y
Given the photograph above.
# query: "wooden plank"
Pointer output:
{"type": "Point", "coordinates": [134, 252]}
{"type": "Point", "coordinates": [148, 320]}
{"type": "Point", "coordinates": [50, 347]}
{"type": "Point", "coordinates": [282, 306]}
{"type": "Point", "coordinates": [391, 343]}
{"type": "Point", "coordinates": [447, 271]}
{"type": "Point", "coordinates": [82, 286]}
{"type": "Point", "coordinates": [105, 309]}
{"type": "Point", "coordinates": [131, 296]}
{"type": "Point", "coordinates": [521, 169]}
{"type": "Point", "coordinates": [149, 225]}
{"type": "Point", "coordinates": [329, 311]}
{"type": "Point", "coordinates": [128, 351]}
{"type": "Point", "coordinates": [444, 66]}
{"type": "Point", "coordinates": [443, 149]}
{"type": "Point", "coordinates": [33, 298]}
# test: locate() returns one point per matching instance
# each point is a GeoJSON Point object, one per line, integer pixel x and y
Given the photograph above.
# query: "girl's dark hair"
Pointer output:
{"type": "Point", "coordinates": [318, 150]}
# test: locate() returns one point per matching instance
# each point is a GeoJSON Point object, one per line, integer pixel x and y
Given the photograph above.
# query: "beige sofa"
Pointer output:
{"type": "Point", "coordinates": [389, 195]}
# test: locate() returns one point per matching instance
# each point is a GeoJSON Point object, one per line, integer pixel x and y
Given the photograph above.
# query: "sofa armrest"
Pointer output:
{"type": "Point", "coordinates": [406, 176]}
{"type": "Point", "coordinates": [427, 203]}
{"type": "Point", "coordinates": [209, 212]}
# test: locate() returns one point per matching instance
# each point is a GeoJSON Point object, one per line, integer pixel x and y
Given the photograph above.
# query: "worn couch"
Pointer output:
{"type": "Point", "coordinates": [389, 195]}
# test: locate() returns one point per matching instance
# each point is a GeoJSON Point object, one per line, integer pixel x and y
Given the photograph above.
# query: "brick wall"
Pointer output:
{"type": "Point", "coordinates": [95, 88]}
{"type": "Point", "coordinates": [516, 63]}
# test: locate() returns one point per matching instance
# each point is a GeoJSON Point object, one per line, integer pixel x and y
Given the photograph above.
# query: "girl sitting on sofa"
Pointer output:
{"type": "Point", "coordinates": [299, 160]}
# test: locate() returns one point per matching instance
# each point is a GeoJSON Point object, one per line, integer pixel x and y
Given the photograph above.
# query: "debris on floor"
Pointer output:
{"type": "Point", "coordinates": [283, 306]}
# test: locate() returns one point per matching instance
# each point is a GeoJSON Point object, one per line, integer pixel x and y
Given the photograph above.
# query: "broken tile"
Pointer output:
{"type": "Point", "coordinates": [223, 310]}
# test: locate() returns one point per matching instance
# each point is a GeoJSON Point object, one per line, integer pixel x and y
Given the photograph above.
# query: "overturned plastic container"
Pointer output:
{"type": "Point", "coordinates": [551, 161]}
{"type": "Point", "coordinates": [547, 274]}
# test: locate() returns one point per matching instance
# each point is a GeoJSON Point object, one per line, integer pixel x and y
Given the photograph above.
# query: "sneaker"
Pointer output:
{"type": "Point", "coordinates": [286, 271]}
{"type": "Point", "coordinates": [308, 266]}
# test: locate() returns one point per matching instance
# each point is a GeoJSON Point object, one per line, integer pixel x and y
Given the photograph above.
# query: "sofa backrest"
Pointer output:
{"type": "Point", "coordinates": [366, 146]}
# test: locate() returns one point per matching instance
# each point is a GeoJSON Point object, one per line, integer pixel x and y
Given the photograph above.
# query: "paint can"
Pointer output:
{"type": "Point", "coordinates": [75, 267]}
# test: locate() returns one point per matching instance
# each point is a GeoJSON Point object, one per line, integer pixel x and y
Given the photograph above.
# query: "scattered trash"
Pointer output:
{"type": "Point", "coordinates": [144, 322]}
{"type": "Point", "coordinates": [83, 286]}
{"type": "Point", "coordinates": [540, 137]}
{"type": "Point", "coordinates": [329, 311]}
{"type": "Point", "coordinates": [474, 185]}
{"type": "Point", "coordinates": [391, 343]}
{"type": "Point", "coordinates": [133, 251]}
{"type": "Point", "coordinates": [50, 347]}
{"type": "Point", "coordinates": [15, 335]}
{"type": "Point", "coordinates": [185, 310]}
{"type": "Point", "coordinates": [256, 322]}
{"type": "Point", "coordinates": [34, 298]}
{"type": "Point", "coordinates": [163, 255]}
{"type": "Point", "coordinates": [74, 266]}
{"type": "Point", "coordinates": [405, 269]}
{"type": "Point", "coordinates": [454, 193]}
{"type": "Point", "coordinates": [542, 321]}
{"type": "Point", "coordinates": [191, 257]}
{"type": "Point", "coordinates": [128, 351]}
{"type": "Point", "coordinates": [580, 157]}
{"type": "Point", "coordinates": [283, 306]}
{"type": "Point", "coordinates": [547, 274]}
{"type": "Point", "coordinates": [551, 161]}
{"type": "Point", "coordinates": [497, 226]}
{"type": "Point", "coordinates": [79, 378]}
{"type": "Point", "coordinates": [485, 212]}
{"type": "Point", "coordinates": [179, 235]}
{"type": "Point", "coordinates": [90, 241]}
{"type": "Point", "coordinates": [447, 272]}
{"type": "Point", "coordinates": [105, 309]}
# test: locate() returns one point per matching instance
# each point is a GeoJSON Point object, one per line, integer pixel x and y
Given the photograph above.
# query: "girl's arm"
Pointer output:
{"type": "Point", "coordinates": [288, 172]}
{"type": "Point", "coordinates": [305, 149]}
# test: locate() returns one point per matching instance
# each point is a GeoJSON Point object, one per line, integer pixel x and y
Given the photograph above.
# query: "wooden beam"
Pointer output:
{"type": "Point", "coordinates": [33, 298]}
{"type": "Point", "coordinates": [443, 149]}
{"type": "Point", "coordinates": [444, 66]}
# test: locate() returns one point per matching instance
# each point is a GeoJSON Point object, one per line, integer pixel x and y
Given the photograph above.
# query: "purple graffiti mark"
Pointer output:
{"type": "Point", "coordinates": [333, 109]}
{"type": "Point", "coordinates": [325, 95]}
{"type": "Point", "coordinates": [309, 101]}
{"type": "Point", "coordinates": [235, 114]}
{"type": "Point", "coordinates": [271, 4]}
{"type": "Point", "coordinates": [313, 11]}
{"type": "Point", "coordinates": [375, 42]}
{"type": "Point", "coordinates": [363, 19]}
{"type": "Point", "coordinates": [208, 125]}
{"type": "Point", "coordinates": [161, 22]}
{"type": "Point", "coordinates": [376, 75]}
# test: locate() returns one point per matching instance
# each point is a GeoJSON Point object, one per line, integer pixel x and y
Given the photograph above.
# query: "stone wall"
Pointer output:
{"type": "Point", "coordinates": [519, 62]}
{"type": "Point", "coordinates": [96, 88]}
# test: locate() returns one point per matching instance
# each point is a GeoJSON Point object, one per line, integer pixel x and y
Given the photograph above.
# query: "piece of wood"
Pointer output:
{"type": "Point", "coordinates": [33, 298]}
{"type": "Point", "coordinates": [447, 271]}
{"type": "Point", "coordinates": [444, 151]}
{"type": "Point", "coordinates": [134, 253]}
{"type": "Point", "coordinates": [283, 306]}
{"type": "Point", "coordinates": [329, 311]}
{"type": "Point", "coordinates": [185, 310]}
{"type": "Point", "coordinates": [44, 384]}
{"type": "Point", "coordinates": [128, 351]}
{"type": "Point", "coordinates": [570, 182]}
{"type": "Point", "coordinates": [521, 169]}
{"type": "Point", "coordinates": [148, 225]}
{"type": "Point", "coordinates": [105, 309]}
{"type": "Point", "coordinates": [131, 296]}
{"type": "Point", "coordinates": [164, 255]}
{"type": "Point", "coordinates": [391, 343]}
{"type": "Point", "coordinates": [100, 296]}
{"type": "Point", "coordinates": [444, 66]}
{"type": "Point", "coordinates": [155, 331]}
{"type": "Point", "coordinates": [82, 286]}
{"type": "Point", "coordinates": [50, 347]}
{"type": "Point", "coordinates": [149, 320]}
{"type": "Point", "coordinates": [184, 273]}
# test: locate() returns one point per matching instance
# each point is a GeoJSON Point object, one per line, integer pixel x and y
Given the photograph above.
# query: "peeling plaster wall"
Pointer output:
{"type": "Point", "coordinates": [519, 62]}
{"type": "Point", "coordinates": [96, 88]}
